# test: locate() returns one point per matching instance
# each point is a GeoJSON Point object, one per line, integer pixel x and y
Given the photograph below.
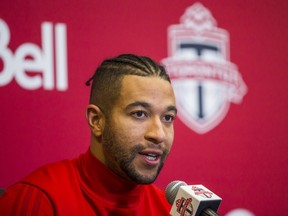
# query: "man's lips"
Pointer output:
{"type": "Point", "coordinates": [151, 157]}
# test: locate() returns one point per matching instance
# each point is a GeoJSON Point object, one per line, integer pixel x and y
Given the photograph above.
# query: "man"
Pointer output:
{"type": "Point", "coordinates": [131, 113]}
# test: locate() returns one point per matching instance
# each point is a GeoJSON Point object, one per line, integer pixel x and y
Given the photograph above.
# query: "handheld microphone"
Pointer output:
{"type": "Point", "coordinates": [191, 200]}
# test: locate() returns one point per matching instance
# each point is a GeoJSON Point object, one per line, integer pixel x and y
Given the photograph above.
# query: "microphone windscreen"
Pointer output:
{"type": "Point", "coordinates": [172, 190]}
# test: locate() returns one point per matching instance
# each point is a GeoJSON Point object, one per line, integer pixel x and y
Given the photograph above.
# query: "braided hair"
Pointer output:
{"type": "Point", "coordinates": [107, 79]}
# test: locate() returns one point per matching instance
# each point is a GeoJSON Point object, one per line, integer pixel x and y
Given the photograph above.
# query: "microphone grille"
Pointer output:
{"type": "Point", "coordinates": [172, 190]}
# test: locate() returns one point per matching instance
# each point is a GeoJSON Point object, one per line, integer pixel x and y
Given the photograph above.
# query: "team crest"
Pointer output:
{"type": "Point", "coordinates": [204, 80]}
{"type": "Point", "coordinates": [201, 192]}
{"type": "Point", "coordinates": [184, 206]}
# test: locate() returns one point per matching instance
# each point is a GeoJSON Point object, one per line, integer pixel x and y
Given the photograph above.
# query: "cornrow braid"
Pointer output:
{"type": "Point", "coordinates": [108, 76]}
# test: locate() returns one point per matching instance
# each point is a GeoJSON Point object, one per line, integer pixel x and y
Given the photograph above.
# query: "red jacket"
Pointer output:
{"type": "Point", "coordinates": [83, 186]}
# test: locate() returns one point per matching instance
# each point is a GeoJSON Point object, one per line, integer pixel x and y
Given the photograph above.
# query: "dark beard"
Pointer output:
{"type": "Point", "coordinates": [127, 166]}
{"type": "Point", "coordinates": [124, 160]}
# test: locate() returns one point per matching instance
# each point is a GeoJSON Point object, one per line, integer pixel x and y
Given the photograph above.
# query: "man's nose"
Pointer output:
{"type": "Point", "coordinates": [155, 132]}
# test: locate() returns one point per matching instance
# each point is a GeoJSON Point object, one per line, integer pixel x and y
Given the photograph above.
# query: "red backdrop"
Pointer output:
{"type": "Point", "coordinates": [243, 159]}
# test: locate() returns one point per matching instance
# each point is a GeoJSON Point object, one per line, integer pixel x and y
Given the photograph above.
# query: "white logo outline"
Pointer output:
{"type": "Point", "coordinates": [204, 80]}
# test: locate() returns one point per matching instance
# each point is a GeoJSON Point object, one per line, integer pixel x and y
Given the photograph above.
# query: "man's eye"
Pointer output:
{"type": "Point", "coordinates": [169, 118]}
{"type": "Point", "coordinates": [139, 114]}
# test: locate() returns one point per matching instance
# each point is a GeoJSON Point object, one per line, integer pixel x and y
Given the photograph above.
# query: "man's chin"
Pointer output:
{"type": "Point", "coordinates": [150, 176]}
{"type": "Point", "coordinates": [145, 179]}
{"type": "Point", "coordinates": [142, 174]}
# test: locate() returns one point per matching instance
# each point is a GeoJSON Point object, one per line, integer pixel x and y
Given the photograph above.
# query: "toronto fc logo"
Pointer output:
{"type": "Point", "coordinates": [204, 79]}
{"type": "Point", "coordinates": [201, 192]}
{"type": "Point", "coordinates": [184, 206]}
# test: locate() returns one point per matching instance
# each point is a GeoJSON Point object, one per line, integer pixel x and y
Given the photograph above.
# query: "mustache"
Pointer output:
{"type": "Point", "coordinates": [140, 147]}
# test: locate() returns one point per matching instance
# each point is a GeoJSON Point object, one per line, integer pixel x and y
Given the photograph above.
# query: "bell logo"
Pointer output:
{"type": "Point", "coordinates": [204, 79]}
{"type": "Point", "coordinates": [32, 66]}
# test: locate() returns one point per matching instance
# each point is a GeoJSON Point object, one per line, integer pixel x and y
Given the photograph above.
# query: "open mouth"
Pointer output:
{"type": "Point", "coordinates": [151, 158]}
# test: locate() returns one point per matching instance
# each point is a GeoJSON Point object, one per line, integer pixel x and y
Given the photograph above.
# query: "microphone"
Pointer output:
{"type": "Point", "coordinates": [191, 200]}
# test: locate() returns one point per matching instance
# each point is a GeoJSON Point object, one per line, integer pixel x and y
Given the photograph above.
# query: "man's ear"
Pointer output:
{"type": "Point", "coordinates": [95, 119]}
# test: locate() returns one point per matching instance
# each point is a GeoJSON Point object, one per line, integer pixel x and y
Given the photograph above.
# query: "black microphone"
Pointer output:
{"type": "Point", "coordinates": [191, 200]}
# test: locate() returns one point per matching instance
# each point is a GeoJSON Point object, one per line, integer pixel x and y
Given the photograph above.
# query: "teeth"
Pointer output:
{"type": "Point", "coordinates": [151, 157]}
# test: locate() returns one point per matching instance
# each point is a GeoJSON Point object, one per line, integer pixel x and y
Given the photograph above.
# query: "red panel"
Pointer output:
{"type": "Point", "coordinates": [243, 159]}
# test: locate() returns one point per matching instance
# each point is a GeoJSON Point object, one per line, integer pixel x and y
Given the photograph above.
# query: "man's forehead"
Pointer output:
{"type": "Point", "coordinates": [145, 85]}
{"type": "Point", "coordinates": [146, 91]}
{"type": "Point", "coordinates": [144, 79]}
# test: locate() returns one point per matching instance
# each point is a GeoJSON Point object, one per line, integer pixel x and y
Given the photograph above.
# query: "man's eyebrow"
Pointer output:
{"type": "Point", "coordinates": [172, 108]}
{"type": "Point", "coordinates": [137, 104]}
{"type": "Point", "coordinates": [147, 106]}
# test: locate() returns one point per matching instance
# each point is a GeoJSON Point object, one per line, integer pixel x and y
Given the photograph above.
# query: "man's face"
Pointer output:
{"type": "Point", "coordinates": [139, 133]}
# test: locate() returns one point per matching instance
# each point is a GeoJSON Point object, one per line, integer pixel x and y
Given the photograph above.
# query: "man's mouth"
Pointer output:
{"type": "Point", "coordinates": [150, 157]}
